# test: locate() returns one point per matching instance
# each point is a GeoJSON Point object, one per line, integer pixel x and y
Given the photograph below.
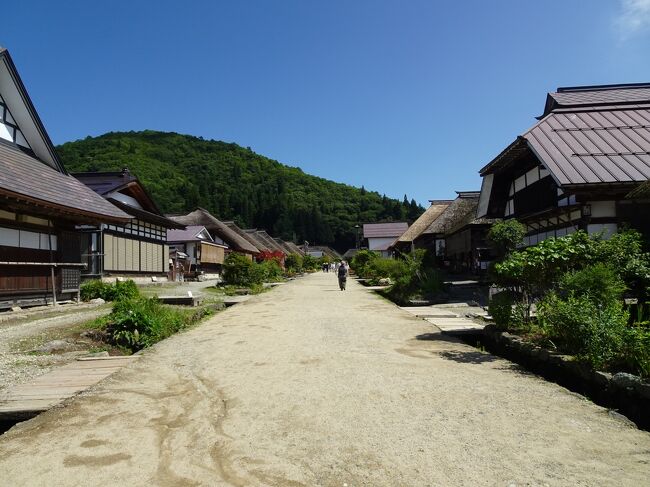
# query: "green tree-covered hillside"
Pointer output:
{"type": "Point", "coordinates": [182, 172]}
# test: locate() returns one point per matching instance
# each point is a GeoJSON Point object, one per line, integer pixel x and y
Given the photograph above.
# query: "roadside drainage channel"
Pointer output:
{"type": "Point", "coordinates": [622, 393]}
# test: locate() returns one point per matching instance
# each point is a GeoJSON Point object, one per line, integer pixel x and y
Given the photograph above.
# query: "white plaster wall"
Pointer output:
{"type": "Point", "coordinates": [375, 243]}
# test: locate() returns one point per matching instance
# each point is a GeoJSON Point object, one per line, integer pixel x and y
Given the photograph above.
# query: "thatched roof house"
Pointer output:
{"type": "Point", "coordinates": [406, 241]}
{"type": "Point", "coordinates": [219, 229]}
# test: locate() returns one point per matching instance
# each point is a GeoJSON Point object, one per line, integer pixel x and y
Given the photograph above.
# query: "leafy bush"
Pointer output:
{"type": "Point", "coordinates": [294, 263]}
{"type": "Point", "coordinates": [93, 289]}
{"type": "Point", "coordinates": [579, 326]}
{"type": "Point", "coordinates": [136, 323]}
{"type": "Point", "coordinates": [241, 271]}
{"type": "Point", "coordinates": [361, 260]}
{"type": "Point", "coordinates": [385, 268]}
{"type": "Point", "coordinates": [599, 282]}
{"type": "Point", "coordinates": [270, 270]}
{"type": "Point", "coordinates": [505, 236]}
{"type": "Point", "coordinates": [108, 292]}
{"type": "Point", "coordinates": [636, 349]}
{"type": "Point", "coordinates": [310, 263]}
{"type": "Point", "coordinates": [411, 277]}
{"type": "Point", "coordinates": [500, 308]}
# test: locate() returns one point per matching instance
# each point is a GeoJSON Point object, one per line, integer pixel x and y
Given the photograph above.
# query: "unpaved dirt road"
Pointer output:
{"type": "Point", "coordinates": [310, 386]}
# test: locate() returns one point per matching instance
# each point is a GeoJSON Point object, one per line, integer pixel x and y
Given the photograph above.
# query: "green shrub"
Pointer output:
{"type": "Point", "coordinates": [310, 263]}
{"type": "Point", "coordinates": [136, 323]}
{"type": "Point", "coordinates": [361, 260]}
{"type": "Point", "coordinates": [93, 289]}
{"type": "Point", "coordinates": [108, 292]}
{"type": "Point", "coordinates": [123, 290]}
{"type": "Point", "coordinates": [385, 268]}
{"type": "Point", "coordinates": [636, 349]}
{"type": "Point", "coordinates": [293, 263]}
{"type": "Point", "coordinates": [500, 308]}
{"type": "Point", "coordinates": [241, 271]}
{"type": "Point", "coordinates": [270, 270]}
{"type": "Point", "coordinates": [599, 282]}
{"type": "Point", "coordinates": [581, 327]}
{"type": "Point", "coordinates": [505, 236]}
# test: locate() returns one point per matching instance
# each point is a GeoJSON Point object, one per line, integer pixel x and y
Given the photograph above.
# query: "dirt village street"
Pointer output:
{"type": "Point", "coordinates": [307, 385]}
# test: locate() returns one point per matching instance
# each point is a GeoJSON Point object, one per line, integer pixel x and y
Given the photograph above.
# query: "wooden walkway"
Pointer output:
{"type": "Point", "coordinates": [51, 389]}
{"type": "Point", "coordinates": [445, 318]}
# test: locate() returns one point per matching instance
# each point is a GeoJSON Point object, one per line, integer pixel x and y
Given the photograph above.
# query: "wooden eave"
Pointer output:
{"type": "Point", "coordinates": [26, 204]}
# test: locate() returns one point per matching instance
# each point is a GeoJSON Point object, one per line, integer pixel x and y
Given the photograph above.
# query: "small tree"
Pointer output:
{"type": "Point", "coordinates": [505, 236]}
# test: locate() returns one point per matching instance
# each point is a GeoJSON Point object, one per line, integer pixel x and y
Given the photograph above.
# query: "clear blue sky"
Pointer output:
{"type": "Point", "coordinates": [408, 96]}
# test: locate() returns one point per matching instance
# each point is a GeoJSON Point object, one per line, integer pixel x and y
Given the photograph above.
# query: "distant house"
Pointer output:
{"type": "Point", "coordinates": [205, 253]}
{"type": "Point", "coordinates": [218, 229]}
{"type": "Point", "coordinates": [137, 248]}
{"type": "Point", "coordinates": [381, 236]}
{"type": "Point", "coordinates": [319, 251]}
{"type": "Point", "coordinates": [575, 167]}
{"type": "Point", "coordinates": [414, 237]}
{"type": "Point", "coordinates": [40, 205]}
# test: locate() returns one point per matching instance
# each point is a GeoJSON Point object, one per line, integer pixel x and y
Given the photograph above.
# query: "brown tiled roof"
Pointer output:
{"type": "Point", "coordinates": [25, 177]}
{"type": "Point", "coordinates": [217, 228]}
{"type": "Point", "coordinates": [389, 229]}
{"type": "Point", "coordinates": [425, 220]}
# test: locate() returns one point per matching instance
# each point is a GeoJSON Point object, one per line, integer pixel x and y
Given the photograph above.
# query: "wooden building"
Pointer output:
{"type": "Point", "coordinates": [205, 253]}
{"type": "Point", "coordinates": [137, 248]}
{"type": "Point", "coordinates": [382, 236]}
{"type": "Point", "coordinates": [575, 168]}
{"type": "Point", "coordinates": [414, 236]}
{"type": "Point", "coordinates": [40, 205]}
{"type": "Point", "coordinates": [218, 230]}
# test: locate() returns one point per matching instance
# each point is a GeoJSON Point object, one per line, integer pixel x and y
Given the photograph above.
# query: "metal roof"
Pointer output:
{"type": "Point", "coordinates": [597, 95]}
{"type": "Point", "coordinates": [589, 135]}
{"type": "Point", "coordinates": [189, 234]}
{"type": "Point", "coordinates": [379, 230]}
{"type": "Point", "coordinates": [23, 176]}
{"type": "Point", "coordinates": [606, 146]}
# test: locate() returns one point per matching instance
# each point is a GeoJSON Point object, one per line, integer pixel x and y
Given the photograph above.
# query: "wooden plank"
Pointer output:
{"type": "Point", "coordinates": [53, 388]}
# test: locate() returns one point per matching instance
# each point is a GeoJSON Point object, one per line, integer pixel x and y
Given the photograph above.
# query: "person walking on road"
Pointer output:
{"type": "Point", "coordinates": [343, 275]}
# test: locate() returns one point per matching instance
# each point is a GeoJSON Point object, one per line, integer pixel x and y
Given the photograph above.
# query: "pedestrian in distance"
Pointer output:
{"type": "Point", "coordinates": [343, 275]}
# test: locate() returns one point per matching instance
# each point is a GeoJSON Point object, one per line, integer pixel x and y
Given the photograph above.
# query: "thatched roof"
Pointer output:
{"type": "Point", "coordinates": [218, 228]}
{"type": "Point", "coordinates": [290, 247]}
{"type": "Point", "coordinates": [460, 212]}
{"type": "Point", "coordinates": [425, 220]}
{"type": "Point", "coordinates": [642, 191]}
{"type": "Point", "coordinates": [269, 241]}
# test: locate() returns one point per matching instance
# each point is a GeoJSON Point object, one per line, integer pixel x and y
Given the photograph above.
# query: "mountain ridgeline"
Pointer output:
{"type": "Point", "coordinates": [182, 172]}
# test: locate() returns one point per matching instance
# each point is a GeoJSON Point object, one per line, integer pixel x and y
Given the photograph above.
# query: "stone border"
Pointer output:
{"type": "Point", "coordinates": [626, 393]}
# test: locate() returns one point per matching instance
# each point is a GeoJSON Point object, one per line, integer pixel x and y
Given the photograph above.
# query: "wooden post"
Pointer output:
{"type": "Point", "coordinates": [53, 286]}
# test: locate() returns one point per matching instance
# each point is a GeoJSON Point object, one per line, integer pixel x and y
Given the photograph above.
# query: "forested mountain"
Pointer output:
{"type": "Point", "coordinates": [182, 172]}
